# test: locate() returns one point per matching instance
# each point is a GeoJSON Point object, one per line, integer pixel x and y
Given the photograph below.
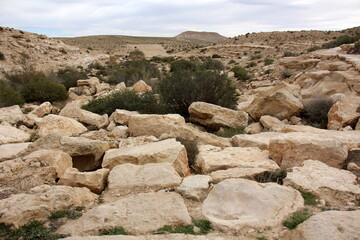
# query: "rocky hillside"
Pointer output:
{"type": "Point", "coordinates": [205, 37]}
{"type": "Point", "coordinates": [22, 50]}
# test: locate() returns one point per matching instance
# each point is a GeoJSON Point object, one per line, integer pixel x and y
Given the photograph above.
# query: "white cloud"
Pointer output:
{"type": "Point", "coordinates": [168, 18]}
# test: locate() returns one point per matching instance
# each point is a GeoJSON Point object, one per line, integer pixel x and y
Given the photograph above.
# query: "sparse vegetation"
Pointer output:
{"type": "Point", "coordinates": [69, 76]}
{"type": "Point", "coordinates": [113, 231]}
{"type": "Point", "coordinates": [286, 74]}
{"type": "Point", "coordinates": [67, 213]}
{"type": "Point", "coordinates": [251, 64]}
{"type": "Point", "coordinates": [183, 64]}
{"type": "Point", "coordinates": [297, 218]}
{"type": "Point", "coordinates": [344, 39]}
{"type": "Point", "coordinates": [290, 54]}
{"type": "Point", "coordinates": [191, 150]}
{"type": "Point", "coordinates": [355, 49]}
{"type": "Point", "coordinates": [309, 198]}
{"type": "Point", "coordinates": [136, 55]}
{"type": "Point", "coordinates": [271, 176]}
{"type": "Point", "coordinates": [268, 61]}
{"type": "Point", "coordinates": [9, 96]}
{"type": "Point", "coordinates": [216, 56]}
{"type": "Point", "coordinates": [204, 226]}
{"type": "Point", "coordinates": [2, 56]}
{"type": "Point", "coordinates": [230, 132]}
{"type": "Point", "coordinates": [44, 90]}
{"type": "Point", "coordinates": [315, 112]}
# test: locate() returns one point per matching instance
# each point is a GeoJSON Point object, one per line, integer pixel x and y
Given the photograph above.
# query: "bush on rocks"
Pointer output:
{"type": "Point", "coordinates": [9, 96]}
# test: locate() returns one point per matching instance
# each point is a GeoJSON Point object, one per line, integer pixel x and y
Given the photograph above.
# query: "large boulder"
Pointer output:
{"type": "Point", "coordinates": [328, 226]}
{"type": "Point", "coordinates": [214, 116]}
{"type": "Point", "coordinates": [121, 116]}
{"type": "Point", "coordinates": [86, 153]}
{"type": "Point", "coordinates": [328, 183]}
{"type": "Point", "coordinates": [237, 172]}
{"type": "Point", "coordinates": [11, 114]}
{"type": "Point", "coordinates": [239, 205]}
{"type": "Point", "coordinates": [168, 150]}
{"type": "Point", "coordinates": [9, 151]}
{"type": "Point", "coordinates": [42, 110]}
{"type": "Point", "coordinates": [13, 135]}
{"type": "Point", "coordinates": [292, 149]}
{"type": "Point", "coordinates": [211, 158]}
{"type": "Point", "coordinates": [41, 201]}
{"type": "Point", "coordinates": [260, 140]}
{"type": "Point", "coordinates": [194, 187]}
{"type": "Point", "coordinates": [129, 178]}
{"type": "Point", "coordinates": [95, 181]}
{"type": "Point", "coordinates": [141, 87]}
{"type": "Point", "coordinates": [66, 126]}
{"type": "Point", "coordinates": [281, 101]}
{"type": "Point", "coordinates": [137, 214]}
{"type": "Point", "coordinates": [344, 112]}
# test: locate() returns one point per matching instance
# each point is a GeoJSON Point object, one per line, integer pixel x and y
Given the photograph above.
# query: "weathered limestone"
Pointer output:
{"type": "Point", "coordinates": [328, 225]}
{"type": "Point", "coordinates": [237, 172]}
{"type": "Point", "coordinates": [66, 126]}
{"type": "Point", "coordinates": [153, 237]}
{"type": "Point", "coordinates": [141, 87]}
{"type": "Point", "coordinates": [42, 110]}
{"type": "Point", "coordinates": [73, 110]}
{"type": "Point", "coordinates": [293, 148]}
{"type": "Point", "coordinates": [95, 181]}
{"type": "Point", "coordinates": [12, 135]}
{"type": "Point", "coordinates": [126, 178]}
{"type": "Point", "coordinates": [260, 140]}
{"type": "Point", "coordinates": [121, 116]}
{"type": "Point", "coordinates": [86, 153]}
{"type": "Point", "coordinates": [91, 82]}
{"type": "Point", "coordinates": [211, 158]}
{"type": "Point", "coordinates": [254, 128]}
{"type": "Point", "coordinates": [357, 127]}
{"type": "Point", "coordinates": [238, 205]}
{"type": "Point", "coordinates": [11, 114]}
{"type": "Point", "coordinates": [20, 209]}
{"type": "Point", "coordinates": [137, 141]}
{"type": "Point", "coordinates": [299, 62]}
{"type": "Point", "coordinates": [281, 101]}
{"type": "Point", "coordinates": [215, 116]}
{"type": "Point", "coordinates": [137, 214]}
{"type": "Point", "coordinates": [9, 151]}
{"type": "Point", "coordinates": [328, 183]}
{"type": "Point", "coordinates": [194, 187]}
{"type": "Point", "coordinates": [344, 112]}
{"type": "Point", "coordinates": [164, 151]}
{"type": "Point", "coordinates": [271, 123]}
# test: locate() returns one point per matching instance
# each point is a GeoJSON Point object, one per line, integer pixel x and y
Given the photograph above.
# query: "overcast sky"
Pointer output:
{"type": "Point", "coordinates": [171, 17]}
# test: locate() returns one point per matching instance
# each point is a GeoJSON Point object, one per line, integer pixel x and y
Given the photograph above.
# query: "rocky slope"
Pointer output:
{"type": "Point", "coordinates": [205, 37]}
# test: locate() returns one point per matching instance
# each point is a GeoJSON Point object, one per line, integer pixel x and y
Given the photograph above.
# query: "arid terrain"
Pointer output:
{"type": "Point", "coordinates": [193, 137]}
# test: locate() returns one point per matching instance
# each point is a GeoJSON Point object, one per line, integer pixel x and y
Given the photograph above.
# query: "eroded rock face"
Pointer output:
{"type": "Point", "coordinates": [211, 158]}
{"type": "Point", "coordinates": [126, 178]}
{"type": "Point", "coordinates": [215, 116]}
{"type": "Point", "coordinates": [237, 172]}
{"type": "Point", "coordinates": [281, 101]}
{"type": "Point", "coordinates": [293, 148]}
{"type": "Point", "coordinates": [137, 214]}
{"type": "Point", "coordinates": [237, 205]}
{"type": "Point", "coordinates": [64, 125]}
{"type": "Point", "coordinates": [12, 135]}
{"type": "Point", "coordinates": [42, 109]}
{"type": "Point", "coordinates": [121, 116]}
{"type": "Point", "coordinates": [20, 209]}
{"type": "Point", "coordinates": [260, 140]}
{"type": "Point", "coordinates": [328, 183]}
{"type": "Point", "coordinates": [9, 151]}
{"type": "Point", "coordinates": [141, 87]}
{"type": "Point", "coordinates": [328, 225]}
{"type": "Point", "coordinates": [168, 150]}
{"type": "Point", "coordinates": [95, 181]}
{"type": "Point", "coordinates": [11, 114]}
{"type": "Point", "coordinates": [344, 112]}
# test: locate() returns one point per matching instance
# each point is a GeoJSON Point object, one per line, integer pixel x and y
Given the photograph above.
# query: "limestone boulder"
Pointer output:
{"type": "Point", "coordinates": [38, 204]}
{"type": "Point", "coordinates": [292, 149]}
{"type": "Point", "coordinates": [64, 125]}
{"type": "Point", "coordinates": [137, 141]}
{"type": "Point", "coordinates": [86, 153]}
{"type": "Point", "coordinates": [344, 112]}
{"type": "Point", "coordinates": [95, 181]}
{"type": "Point", "coordinates": [271, 123]}
{"type": "Point", "coordinates": [328, 183]}
{"type": "Point", "coordinates": [121, 116]}
{"type": "Point", "coordinates": [214, 116]}
{"type": "Point", "coordinates": [211, 158]}
{"type": "Point", "coordinates": [91, 82]}
{"type": "Point", "coordinates": [137, 214]}
{"type": "Point", "coordinates": [237, 172]}
{"type": "Point", "coordinates": [42, 110]}
{"type": "Point", "coordinates": [357, 127]}
{"type": "Point", "coordinates": [194, 187]}
{"type": "Point", "coordinates": [254, 128]}
{"type": "Point", "coordinates": [141, 87]}
{"type": "Point", "coordinates": [281, 101]}
{"type": "Point", "coordinates": [73, 110]}
{"type": "Point", "coordinates": [328, 225]}
{"type": "Point", "coordinates": [238, 205]}
{"type": "Point", "coordinates": [127, 178]}
{"type": "Point", "coordinates": [299, 62]}
{"type": "Point", "coordinates": [120, 132]}
{"type": "Point", "coordinates": [10, 134]}
{"type": "Point", "coordinates": [11, 114]}
{"type": "Point", "coordinates": [168, 150]}
{"type": "Point", "coordinates": [260, 140]}
{"type": "Point", "coordinates": [9, 151]}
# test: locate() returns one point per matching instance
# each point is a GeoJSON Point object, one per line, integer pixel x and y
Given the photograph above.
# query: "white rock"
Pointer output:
{"type": "Point", "coordinates": [343, 113]}
{"type": "Point", "coordinates": [260, 140]}
{"type": "Point", "coordinates": [271, 123]}
{"type": "Point", "coordinates": [9, 151]}
{"type": "Point", "coordinates": [10, 134]}
{"type": "Point", "coordinates": [121, 116]}
{"type": "Point", "coordinates": [194, 187]}
{"type": "Point", "coordinates": [141, 87]}
{"type": "Point", "coordinates": [254, 128]}
{"type": "Point", "coordinates": [11, 114]}
{"type": "Point", "coordinates": [42, 110]}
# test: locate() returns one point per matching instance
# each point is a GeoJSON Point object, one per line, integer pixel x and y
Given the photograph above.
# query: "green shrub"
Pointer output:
{"type": "Point", "coordinates": [136, 55]}
{"type": "Point", "coordinates": [255, 57]}
{"type": "Point", "coordinates": [68, 213]}
{"type": "Point", "coordinates": [43, 91]}
{"type": "Point", "coordinates": [69, 76]}
{"type": "Point", "coordinates": [2, 56]}
{"type": "Point", "coordinates": [181, 88]}
{"type": "Point", "coordinates": [276, 176]}
{"type": "Point", "coordinates": [216, 56]}
{"type": "Point", "coordinates": [290, 54]}
{"type": "Point", "coordinates": [19, 80]}
{"type": "Point", "coordinates": [96, 65]}
{"type": "Point", "coordinates": [191, 150]}
{"type": "Point", "coordinates": [309, 199]}
{"type": "Point", "coordinates": [268, 61]}
{"type": "Point", "coordinates": [315, 112]}
{"type": "Point", "coordinates": [240, 73]}
{"type": "Point", "coordinates": [344, 39]}
{"type": "Point", "coordinates": [113, 231]}
{"type": "Point", "coordinates": [286, 74]}
{"type": "Point", "coordinates": [268, 71]}
{"type": "Point", "coordinates": [231, 62]}
{"type": "Point", "coordinates": [355, 49]}
{"type": "Point", "coordinates": [251, 64]}
{"type": "Point", "coordinates": [204, 226]}
{"type": "Point", "coordinates": [183, 64]}
{"type": "Point", "coordinates": [230, 132]}
{"type": "Point", "coordinates": [126, 99]}
{"type": "Point", "coordinates": [210, 64]}
{"type": "Point", "coordinates": [297, 218]}
{"type": "Point", "coordinates": [9, 96]}
{"type": "Point", "coordinates": [314, 48]}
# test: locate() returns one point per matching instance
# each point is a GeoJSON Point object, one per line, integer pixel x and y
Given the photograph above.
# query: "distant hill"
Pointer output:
{"type": "Point", "coordinates": [209, 37]}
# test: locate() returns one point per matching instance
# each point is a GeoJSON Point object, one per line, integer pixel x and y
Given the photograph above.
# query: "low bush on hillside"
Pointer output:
{"type": "Point", "coordinates": [113, 231]}
{"type": "Point", "coordinates": [315, 112]}
{"type": "Point", "coordinates": [355, 49]}
{"type": "Point", "coordinates": [126, 99]}
{"type": "Point", "coordinates": [136, 55]}
{"type": "Point", "coordinates": [204, 227]}
{"type": "Point", "coordinates": [268, 61]}
{"type": "Point", "coordinates": [192, 151]}
{"type": "Point", "coordinates": [344, 39]}
{"type": "Point", "coordinates": [290, 54]}
{"type": "Point", "coordinates": [9, 96]}
{"type": "Point", "coordinates": [181, 88]}
{"type": "Point", "coordinates": [43, 91]}
{"type": "Point", "coordinates": [216, 56]}
{"type": "Point", "coordinates": [251, 64]}
{"type": "Point", "coordinates": [240, 73]}
{"type": "Point", "coordinates": [2, 56]}
{"type": "Point", "coordinates": [211, 64]}
{"type": "Point", "coordinates": [286, 73]}
{"type": "Point", "coordinates": [183, 64]}
{"type": "Point", "coordinates": [314, 48]}
{"type": "Point", "coordinates": [69, 76]}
